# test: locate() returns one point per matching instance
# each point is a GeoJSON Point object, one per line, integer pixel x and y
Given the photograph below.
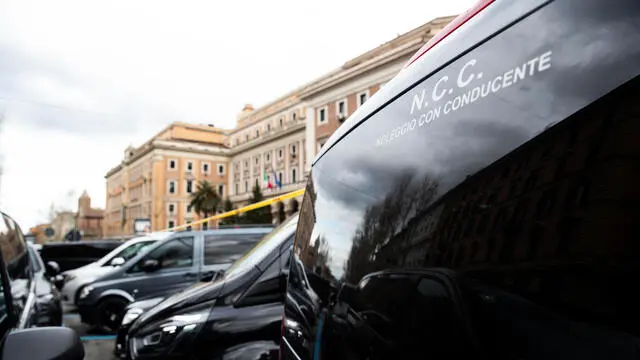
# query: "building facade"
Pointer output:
{"type": "Point", "coordinates": [271, 146]}
{"type": "Point", "coordinates": [155, 180]}
{"type": "Point", "coordinates": [88, 219]}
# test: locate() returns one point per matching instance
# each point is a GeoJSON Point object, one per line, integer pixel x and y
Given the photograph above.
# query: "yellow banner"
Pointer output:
{"type": "Point", "coordinates": [241, 210]}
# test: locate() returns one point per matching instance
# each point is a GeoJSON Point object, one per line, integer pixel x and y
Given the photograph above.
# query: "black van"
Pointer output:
{"type": "Point", "coordinates": [237, 316]}
{"type": "Point", "coordinates": [28, 299]}
{"type": "Point", "coordinates": [497, 209]}
{"type": "Point", "coordinates": [74, 254]}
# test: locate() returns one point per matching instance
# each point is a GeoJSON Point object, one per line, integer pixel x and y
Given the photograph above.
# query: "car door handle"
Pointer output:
{"type": "Point", "coordinates": [207, 275]}
{"type": "Point", "coordinates": [190, 275]}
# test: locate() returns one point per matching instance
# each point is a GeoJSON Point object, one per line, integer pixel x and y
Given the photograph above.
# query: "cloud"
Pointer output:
{"type": "Point", "coordinates": [80, 80]}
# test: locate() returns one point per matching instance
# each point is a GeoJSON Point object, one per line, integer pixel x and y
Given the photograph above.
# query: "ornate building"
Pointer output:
{"type": "Point", "coordinates": [273, 144]}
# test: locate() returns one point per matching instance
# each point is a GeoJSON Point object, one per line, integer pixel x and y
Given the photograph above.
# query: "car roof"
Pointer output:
{"type": "Point", "coordinates": [456, 44]}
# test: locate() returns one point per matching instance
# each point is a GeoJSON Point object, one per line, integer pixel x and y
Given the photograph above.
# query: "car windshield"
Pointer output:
{"type": "Point", "coordinates": [128, 250]}
{"type": "Point", "coordinates": [268, 243]}
{"type": "Point", "coordinates": [133, 250]}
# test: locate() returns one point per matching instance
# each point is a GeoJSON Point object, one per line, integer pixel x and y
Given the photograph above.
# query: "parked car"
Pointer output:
{"type": "Point", "coordinates": [24, 292]}
{"type": "Point", "coordinates": [485, 202]}
{"type": "Point", "coordinates": [74, 280]}
{"type": "Point", "coordinates": [72, 255]}
{"type": "Point", "coordinates": [167, 267]}
{"type": "Point", "coordinates": [237, 316]}
{"type": "Point", "coordinates": [48, 304]}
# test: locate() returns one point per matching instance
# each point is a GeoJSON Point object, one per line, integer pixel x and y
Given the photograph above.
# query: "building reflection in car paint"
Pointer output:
{"type": "Point", "coordinates": [532, 204]}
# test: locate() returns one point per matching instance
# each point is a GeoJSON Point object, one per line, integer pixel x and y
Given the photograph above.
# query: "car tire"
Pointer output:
{"type": "Point", "coordinates": [109, 313]}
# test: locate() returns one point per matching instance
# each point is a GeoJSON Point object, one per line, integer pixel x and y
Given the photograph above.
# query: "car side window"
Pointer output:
{"type": "Point", "coordinates": [223, 249]}
{"type": "Point", "coordinates": [175, 253]}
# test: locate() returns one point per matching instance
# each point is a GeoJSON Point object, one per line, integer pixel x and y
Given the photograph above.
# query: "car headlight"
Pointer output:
{"type": "Point", "coordinates": [172, 335]}
{"type": "Point", "coordinates": [131, 315]}
{"type": "Point", "coordinates": [85, 292]}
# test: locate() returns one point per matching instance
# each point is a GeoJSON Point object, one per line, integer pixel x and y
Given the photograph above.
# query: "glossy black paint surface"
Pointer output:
{"type": "Point", "coordinates": [243, 310]}
{"type": "Point", "coordinates": [72, 255]}
{"type": "Point", "coordinates": [504, 224]}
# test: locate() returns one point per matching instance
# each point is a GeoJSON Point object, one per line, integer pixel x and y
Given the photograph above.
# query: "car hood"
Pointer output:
{"type": "Point", "coordinates": [145, 304]}
{"type": "Point", "coordinates": [184, 299]}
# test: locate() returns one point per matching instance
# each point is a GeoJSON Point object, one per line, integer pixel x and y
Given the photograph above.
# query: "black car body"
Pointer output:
{"type": "Point", "coordinates": [27, 300]}
{"type": "Point", "coordinates": [74, 254]}
{"type": "Point", "coordinates": [237, 316]}
{"type": "Point", "coordinates": [497, 205]}
{"type": "Point", "coordinates": [162, 269]}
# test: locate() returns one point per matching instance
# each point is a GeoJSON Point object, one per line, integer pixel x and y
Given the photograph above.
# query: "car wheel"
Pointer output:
{"type": "Point", "coordinates": [109, 313]}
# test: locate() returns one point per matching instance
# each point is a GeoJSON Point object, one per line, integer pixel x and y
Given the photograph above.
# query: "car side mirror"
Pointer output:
{"type": "Point", "coordinates": [117, 261]}
{"type": "Point", "coordinates": [58, 281]}
{"type": "Point", "coordinates": [150, 265]}
{"type": "Point", "coordinates": [52, 268]}
{"type": "Point", "coordinates": [53, 343]}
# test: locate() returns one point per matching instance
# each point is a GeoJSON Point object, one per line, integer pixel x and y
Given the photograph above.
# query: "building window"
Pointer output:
{"type": "Point", "coordinates": [280, 177]}
{"type": "Point", "coordinates": [293, 149]}
{"type": "Point", "coordinates": [363, 97]}
{"type": "Point", "coordinates": [189, 187]}
{"type": "Point", "coordinates": [171, 224]}
{"type": "Point", "coordinates": [188, 210]}
{"type": "Point", "coordinates": [294, 175]}
{"type": "Point", "coordinates": [268, 127]}
{"type": "Point", "coordinates": [205, 168]}
{"type": "Point", "coordinates": [221, 169]}
{"type": "Point", "coordinates": [237, 186]}
{"type": "Point", "coordinates": [268, 155]}
{"type": "Point", "coordinates": [172, 164]}
{"type": "Point", "coordinates": [294, 116]}
{"type": "Point", "coordinates": [258, 133]}
{"type": "Point", "coordinates": [341, 108]}
{"type": "Point", "coordinates": [257, 160]}
{"type": "Point", "coordinates": [280, 153]}
{"type": "Point", "coordinates": [321, 144]}
{"type": "Point", "coordinates": [237, 141]}
{"type": "Point", "coordinates": [246, 186]}
{"type": "Point", "coordinates": [246, 137]}
{"type": "Point", "coordinates": [281, 122]}
{"type": "Point", "coordinates": [322, 115]}
{"type": "Point", "coordinates": [172, 187]}
{"type": "Point", "coordinates": [221, 190]}
{"type": "Point", "coordinates": [171, 208]}
{"type": "Point", "coordinates": [189, 166]}
{"type": "Point", "coordinates": [246, 164]}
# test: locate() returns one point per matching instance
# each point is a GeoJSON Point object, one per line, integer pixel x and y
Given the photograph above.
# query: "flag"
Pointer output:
{"type": "Point", "coordinates": [275, 177]}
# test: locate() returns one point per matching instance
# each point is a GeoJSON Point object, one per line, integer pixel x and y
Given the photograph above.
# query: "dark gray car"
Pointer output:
{"type": "Point", "coordinates": [165, 268]}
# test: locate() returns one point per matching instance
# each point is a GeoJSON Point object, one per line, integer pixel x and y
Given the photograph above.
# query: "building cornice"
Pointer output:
{"type": "Point", "coordinates": [268, 137]}
{"type": "Point", "coordinates": [404, 50]}
{"type": "Point", "coordinates": [160, 144]}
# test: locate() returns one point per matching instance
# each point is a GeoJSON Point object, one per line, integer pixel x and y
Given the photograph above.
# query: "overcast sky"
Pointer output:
{"type": "Point", "coordinates": [80, 79]}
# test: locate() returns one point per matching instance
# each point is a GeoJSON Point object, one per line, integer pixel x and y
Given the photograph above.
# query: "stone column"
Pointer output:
{"type": "Point", "coordinates": [275, 218]}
